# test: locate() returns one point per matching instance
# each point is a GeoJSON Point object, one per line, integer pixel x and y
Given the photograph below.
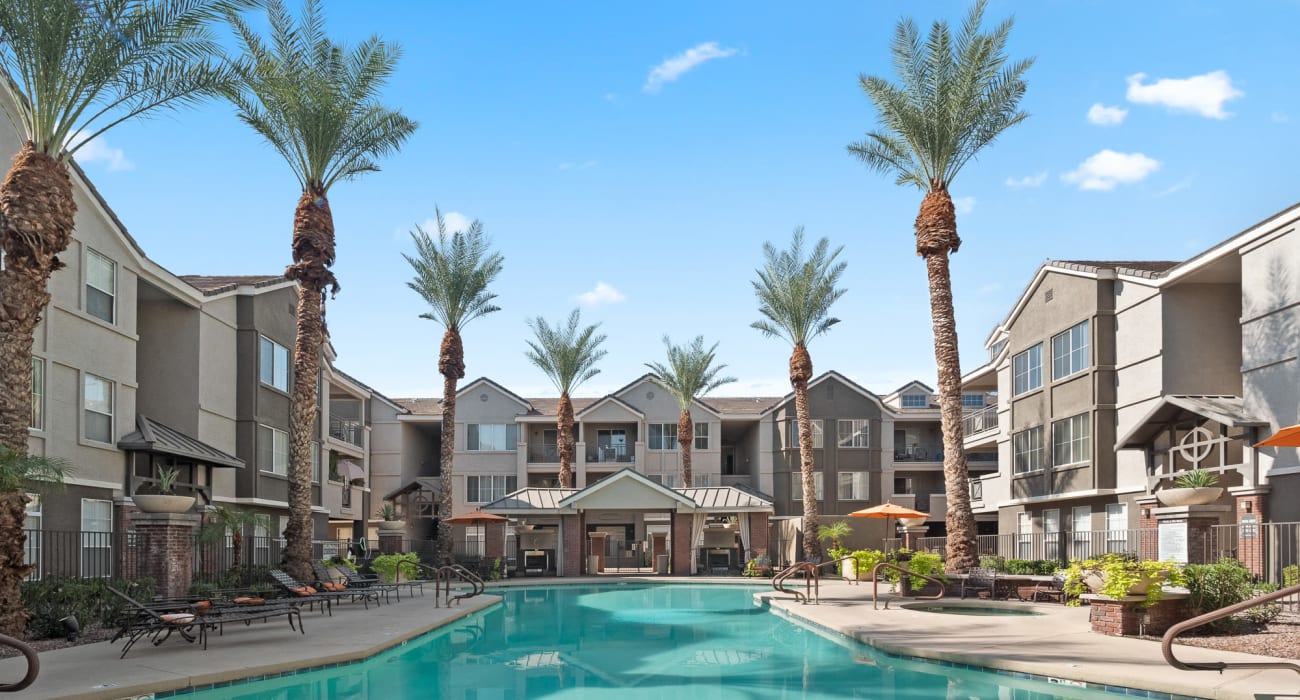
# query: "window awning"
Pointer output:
{"type": "Point", "coordinates": [152, 436]}
{"type": "Point", "coordinates": [1226, 410]}
{"type": "Point", "coordinates": [350, 470]}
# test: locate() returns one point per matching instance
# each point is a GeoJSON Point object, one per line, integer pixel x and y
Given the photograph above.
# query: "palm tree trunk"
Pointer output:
{"type": "Point", "coordinates": [451, 364]}
{"type": "Point", "coordinates": [564, 439]}
{"type": "Point", "coordinates": [13, 616]}
{"type": "Point", "coordinates": [936, 238]}
{"type": "Point", "coordinates": [313, 253]}
{"type": "Point", "coordinates": [686, 440]}
{"type": "Point", "coordinates": [800, 372]}
{"type": "Point", "coordinates": [236, 549]}
{"type": "Point", "coordinates": [38, 213]}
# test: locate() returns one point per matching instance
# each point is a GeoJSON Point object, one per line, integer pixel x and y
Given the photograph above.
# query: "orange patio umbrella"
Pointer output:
{"type": "Point", "coordinates": [888, 510]}
{"type": "Point", "coordinates": [1286, 437]}
{"type": "Point", "coordinates": [478, 517]}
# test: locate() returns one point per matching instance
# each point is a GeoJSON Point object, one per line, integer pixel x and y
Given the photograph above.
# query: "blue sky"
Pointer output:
{"type": "Point", "coordinates": [652, 148]}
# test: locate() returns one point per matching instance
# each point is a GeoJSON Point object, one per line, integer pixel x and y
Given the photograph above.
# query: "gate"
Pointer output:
{"type": "Point", "coordinates": [626, 557]}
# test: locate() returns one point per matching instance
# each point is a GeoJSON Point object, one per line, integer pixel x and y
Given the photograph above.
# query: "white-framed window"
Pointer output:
{"type": "Point", "coordinates": [1117, 527]}
{"type": "Point", "coordinates": [1071, 440]}
{"type": "Point", "coordinates": [272, 450]}
{"type": "Point", "coordinates": [486, 488]}
{"type": "Point", "coordinates": [853, 486]}
{"type": "Point", "coordinates": [261, 545]}
{"type": "Point", "coordinates": [101, 286]}
{"type": "Point", "coordinates": [796, 481]}
{"type": "Point", "coordinates": [972, 400]}
{"type": "Point", "coordinates": [916, 401]}
{"type": "Point", "coordinates": [475, 540]}
{"type": "Point", "coordinates": [1027, 370]}
{"type": "Point", "coordinates": [701, 436]}
{"type": "Point", "coordinates": [1081, 537]}
{"type": "Point", "coordinates": [281, 524]}
{"type": "Point", "coordinates": [96, 538]}
{"type": "Point", "coordinates": [98, 408]}
{"type": "Point", "coordinates": [491, 437]}
{"type": "Point", "coordinates": [1052, 534]}
{"type": "Point", "coordinates": [1070, 351]}
{"type": "Point", "coordinates": [273, 364]}
{"type": "Point", "coordinates": [792, 433]}
{"type": "Point", "coordinates": [663, 436]}
{"type": "Point", "coordinates": [1024, 536]}
{"type": "Point", "coordinates": [853, 432]}
{"type": "Point", "coordinates": [1027, 450]}
{"type": "Point", "coordinates": [32, 524]}
{"type": "Point", "coordinates": [315, 463]}
{"type": "Point", "coordinates": [38, 394]}
{"type": "Point", "coordinates": [670, 480]}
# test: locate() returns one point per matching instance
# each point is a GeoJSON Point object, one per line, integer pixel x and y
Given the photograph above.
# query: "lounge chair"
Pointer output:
{"type": "Point", "coordinates": [354, 579]}
{"type": "Point", "coordinates": [157, 624]}
{"type": "Point", "coordinates": [310, 596]}
{"type": "Point", "coordinates": [979, 579]}
{"type": "Point", "coordinates": [1050, 590]}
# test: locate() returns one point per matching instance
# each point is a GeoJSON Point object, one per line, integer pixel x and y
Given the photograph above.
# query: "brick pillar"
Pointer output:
{"type": "Point", "coordinates": [1251, 514]}
{"type": "Point", "coordinates": [683, 553]}
{"type": "Point", "coordinates": [390, 541]}
{"type": "Point", "coordinates": [913, 534]}
{"type": "Point", "coordinates": [494, 542]}
{"type": "Point", "coordinates": [597, 550]}
{"type": "Point", "coordinates": [1148, 546]}
{"type": "Point", "coordinates": [165, 550]}
{"type": "Point", "coordinates": [1124, 618]}
{"type": "Point", "coordinates": [759, 533]}
{"type": "Point", "coordinates": [571, 527]}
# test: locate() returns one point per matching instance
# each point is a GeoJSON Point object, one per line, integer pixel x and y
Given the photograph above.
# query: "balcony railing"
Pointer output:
{"type": "Point", "coordinates": [919, 453]}
{"type": "Point", "coordinates": [979, 420]}
{"type": "Point", "coordinates": [611, 453]}
{"type": "Point", "coordinates": [349, 431]}
{"type": "Point", "coordinates": [543, 454]}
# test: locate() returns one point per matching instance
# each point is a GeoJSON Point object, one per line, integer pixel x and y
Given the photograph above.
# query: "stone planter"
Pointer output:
{"type": "Point", "coordinates": [912, 522]}
{"type": "Point", "coordinates": [163, 503]}
{"type": "Point", "coordinates": [1189, 497]}
{"type": "Point", "coordinates": [392, 525]}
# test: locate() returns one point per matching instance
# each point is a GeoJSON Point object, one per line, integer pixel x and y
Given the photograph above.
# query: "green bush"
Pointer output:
{"type": "Point", "coordinates": [1291, 576]}
{"type": "Point", "coordinates": [993, 561]}
{"type": "Point", "coordinates": [50, 600]}
{"type": "Point", "coordinates": [928, 564]}
{"type": "Point", "coordinates": [864, 560]}
{"type": "Point", "coordinates": [1266, 613]}
{"type": "Point", "coordinates": [387, 565]}
{"type": "Point", "coordinates": [1034, 567]}
{"type": "Point", "coordinates": [1119, 573]}
{"type": "Point", "coordinates": [1218, 585]}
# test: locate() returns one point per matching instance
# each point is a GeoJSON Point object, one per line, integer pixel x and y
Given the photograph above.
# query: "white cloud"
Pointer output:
{"type": "Point", "coordinates": [1201, 94]}
{"type": "Point", "coordinates": [964, 205]}
{"type": "Point", "coordinates": [600, 294]}
{"type": "Point", "coordinates": [1020, 183]}
{"type": "Point", "coordinates": [453, 220]}
{"type": "Point", "coordinates": [675, 67]}
{"type": "Point", "coordinates": [1185, 183]}
{"type": "Point", "coordinates": [98, 150]}
{"type": "Point", "coordinates": [1107, 168]}
{"type": "Point", "coordinates": [1101, 115]}
{"type": "Point", "coordinates": [578, 166]}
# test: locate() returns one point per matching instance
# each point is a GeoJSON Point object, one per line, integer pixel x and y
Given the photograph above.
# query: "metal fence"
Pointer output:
{"type": "Point", "coordinates": [1058, 546]}
{"type": "Point", "coordinates": [1267, 547]}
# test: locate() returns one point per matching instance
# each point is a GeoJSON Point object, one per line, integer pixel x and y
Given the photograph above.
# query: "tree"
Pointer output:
{"type": "Point", "coordinates": [568, 355]}
{"type": "Point", "coordinates": [18, 472]}
{"type": "Point", "coordinates": [834, 532]}
{"type": "Point", "coordinates": [74, 70]}
{"type": "Point", "coordinates": [317, 104]}
{"type": "Point", "coordinates": [689, 374]}
{"type": "Point", "coordinates": [227, 521]}
{"type": "Point", "coordinates": [955, 96]}
{"type": "Point", "coordinates": [795, 294]}
{"type": "Point", "coordinates": [452, 274]}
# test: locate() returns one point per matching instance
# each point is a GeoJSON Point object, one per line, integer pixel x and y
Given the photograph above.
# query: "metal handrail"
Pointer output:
{"type": "Point", "coordinates": [1167, 642]}
{"type": "Point", "coordinates": [812, 586]}
{"type": "Point", "coordinates": [853, 580]}
{"type": "Point", "coordinates": [33, 664]}
{"type": "Point", "coordinates": [875, 582]}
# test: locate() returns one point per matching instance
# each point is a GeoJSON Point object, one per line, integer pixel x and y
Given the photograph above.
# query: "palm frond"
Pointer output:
{"type": "Point", "coordinates": [689, 372]}
{"type": "Point", "coordinates": [566, 352]}
{"type": "Point", "coordinates": [453, 272]}
{"type": "Point", "coordinates": [19, 471]}
{"type": "Point", "coordinates": [795, 290]}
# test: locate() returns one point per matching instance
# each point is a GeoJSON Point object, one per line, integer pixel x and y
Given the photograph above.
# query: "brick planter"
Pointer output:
{"type": "Point", "coordinates": [1123, 617]}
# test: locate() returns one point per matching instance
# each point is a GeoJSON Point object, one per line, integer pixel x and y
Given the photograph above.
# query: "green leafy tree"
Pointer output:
{"type": "Point", "coordinates": [954, 97]}
{"type": "Point", "coordinates": [452, 275]}
{"type": "Point", "coordinates": [18, 472]}
{"type": "Point", "coordinates": [568, 354]}
{"type": "Point", "coordinates": [688, 375]}
{"type": "Point", "coordinates": [317, 104]}
{"type": "Point", "coordinates": [795, 291]}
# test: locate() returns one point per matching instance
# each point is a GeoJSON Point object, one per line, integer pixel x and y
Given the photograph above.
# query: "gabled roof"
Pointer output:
{"type": "Point", "coordinates": [530, 500]}
{"type": "Point", "coordinates": [625, 474]}
{"type": "Point", "coordinates": [1228, 410]}
{"type": "Point", "coordinates": [421, 407]}
{"type": "Point", "coordinates": [727, 498]}
{"type": "Point", "coordinates": [212, 285]}
{"type": "Point", "coordinates": [1150, 269]}
{"type": "Point", "coordinates": [484, 380]}
{"type": "Point", "coordinates": [152, 436]}
{"type": "Point", "coordinates": [910, 384]}
{"type": "Point", "coordinates": [832, 374]}
{"type": "Point", "coordinates": [551, 406]}
{"type": "Point", "coordinates": [739, 405]}
{"type": "Point", "coordinates": [426, 483]}
{"type": "Point", "coordinates": [608, 399]}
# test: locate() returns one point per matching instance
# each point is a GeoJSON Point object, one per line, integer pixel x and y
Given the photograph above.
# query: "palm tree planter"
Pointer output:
{"type": "Point", "coordinates": [1194, 487]}
{"type": "Point", "coordinates": [389, 521]}
{"type": "Point", "coordinates": [166, 500]}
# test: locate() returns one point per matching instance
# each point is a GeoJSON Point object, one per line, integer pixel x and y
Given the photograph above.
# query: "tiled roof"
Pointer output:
{"type": "Point", "coordinates": [1139, 268]}
{"type": "Point", "coordinates": [421, 407]}
{"type": "Point", "coordinates": [217, 284]}
{"type": "Point", "coordinates": [152, 436]}
{"type": "Point", "coordinates": [739, 405]}
{"type": "Point", "coordinates": [551, 407]}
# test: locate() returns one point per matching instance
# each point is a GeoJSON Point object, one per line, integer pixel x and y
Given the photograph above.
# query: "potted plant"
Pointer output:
{"type": "Point", "coordinates": [1119, 576]}
{"type": "Point", "coordinates": [835, 532]}
{"type": "Point", "coordinates": [388, 515]}
{"type": "Point", "coordinates": [1193, 487]}
{"type": "Point", "coordinates": [166, 500]}
{"type": "Point", "coordinates": [865, 560]}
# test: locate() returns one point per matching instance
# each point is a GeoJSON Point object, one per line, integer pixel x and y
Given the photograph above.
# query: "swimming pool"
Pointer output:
{"type": "Point", "coordinates": [637, 641]}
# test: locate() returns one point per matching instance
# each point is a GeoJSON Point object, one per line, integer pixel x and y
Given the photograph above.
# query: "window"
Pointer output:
{"type": "Point", "coordinates": [996, 349]}
{"type": "Point", "coordinates": [485, 437]}
{"type": "Point", "coordinates": [98, 409]}
{"type": "Point", "coordinates": [1027, 450]}
{"type": "Point", "coordinates": [663, 436]}
{"type": "Point", "coordinates": [101, 286]}
{"type": "Point", "coordinates": [273, 364]}
{"type": "Point", "coordinates": [96, 538]}
{"type": "Point", "coordinates": [1070, 351]}
{"type": "Point", "coordinates": [1081, 518]}
{"type": "Point", "coordinates": [669, 480]}
{"type": "Point", "coordinates": [1024, 536]}
{"type": "Point", "coordinates": [282, 524]}
{"type": "Point", "coordinates": [904, 485]}
{"type": "Point", "coordinates": [32, 528]}
{"type": "Point", "coordinates": [1071, 440]}
{"type": "Point", "coordinates": [916, 401]}
{"type": "Point", "coordinates": [315, 463]}
{"type": "Point", "coordinates": [796, 480]}
{"type": "Point", "coordinates": [1027, 368]}
{"type": "Point", "coordinates": [488, 487]}
{"type": "Point", "coordinates": [1117, 527]}
{"type": "Point", "coordinates": [792, 434]}
{"type": "Point", "coordinates": [1052, 534]}
{"type": "Point", "coordinates": [853, 486]}
{"type": "Point", "coordinates": [475, 541]}
{"type": "Point", "coordinates": [701, 436]}
{"type": "Point", "coordinates": [854, 432]}
{"type": "Point", "coordinates": [272, 450]}
{"type": "Point", "coordinates": [972, 401]}
{"type": "Point", "coordinates": [261, 545]}
{"type": "Point", "coordinates": [38, 393]}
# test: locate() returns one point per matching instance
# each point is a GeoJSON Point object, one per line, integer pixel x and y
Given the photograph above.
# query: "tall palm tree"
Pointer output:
{"type": "Point", "coordinates": [228, 521]}
{"type": "Point", "coordinates": [689, 374]}
{"type": "Point", "coordinates": [74, 69]}
{"type": "Point", "coordinates": [18, 472]}
{"type": "Point", "coordinates": [955, 96]}
{"type": "Point", "coordinates": [568, 355]}
{"type": "Point", "coordinates": [317, 104]}
{"type": "Point", "coordinates": [795, 294]}
{"type": "Point", "coordinates": [452, 274]}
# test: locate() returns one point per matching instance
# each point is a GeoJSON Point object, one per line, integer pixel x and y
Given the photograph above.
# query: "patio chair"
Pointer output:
{"type": "Point", "coordinates": [979, 579]}
{"type": "Point", "coordinates": [140, 621]}
{"type": "Point", "coordinates": [326, 599]}
{"type": "Point", "coordinates": [1050, 590]}
{"type": "Point", "coordinates": [355, 579]}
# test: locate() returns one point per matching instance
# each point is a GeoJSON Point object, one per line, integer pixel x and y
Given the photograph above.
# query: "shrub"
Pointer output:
{"type": "Point", "coordinates": [1196, 479]}
{"type": "Point", "coordinates": [864, 560]}
{"type": "Point", "coordinates": [992, 561]}
{"type": "Point", "coordinates": [387, 566]}
{"type": "Point", "coordinates": [1266, 613]}
{"type": "Point", "coordinates": [1291, 576]}
{"type": "Point", "coordinates": [51, 599]}
{"type": "Point", "coordinates": [1119, 573]}
{"type": "Point", "coordinates": [1027, 567]}
{"type": "Point", "coordinates": [927, 563]}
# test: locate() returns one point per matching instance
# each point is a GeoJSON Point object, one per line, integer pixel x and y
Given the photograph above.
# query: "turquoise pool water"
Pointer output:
{"type": "Point", "coordinates": [637, 641]}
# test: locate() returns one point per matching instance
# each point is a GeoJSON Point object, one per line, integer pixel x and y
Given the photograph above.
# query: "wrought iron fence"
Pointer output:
{"type": "Point", "coordinates": [1059, 546]}
{"type": "Point", "coordinates": [1267, 549]}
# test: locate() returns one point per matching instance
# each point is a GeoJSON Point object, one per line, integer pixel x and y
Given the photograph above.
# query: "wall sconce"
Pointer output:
{"type": "Point", "coordinates": [1247, 506]}
{"type": "Point", "coordinates": [1146, 512]}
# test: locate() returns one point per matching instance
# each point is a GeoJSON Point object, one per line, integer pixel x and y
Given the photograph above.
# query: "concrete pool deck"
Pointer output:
{"type": "Point", "coordinates": [1056, 644]}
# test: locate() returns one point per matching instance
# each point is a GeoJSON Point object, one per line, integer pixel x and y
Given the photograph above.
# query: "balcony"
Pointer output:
{"type": "Point", "coordinates": [611, 454]}
{"type": "Point", "coordinates": [980, 420]}
{"type": "Point", "coordinates": [921, 452]}
{"type": "Point", "coordinates": [543, 454]}
{"type": "Point", "coordinates": [352, 432]}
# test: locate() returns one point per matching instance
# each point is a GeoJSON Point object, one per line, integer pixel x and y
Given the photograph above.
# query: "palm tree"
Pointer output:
{"type": "Point", "coordinates": [317, 104]}
{"type": "Point", "coordinates": [227, 521]}
{"type": "Point", "coordinates": [689, 374]}
{"type": "Point", "coordinates": [834, 532]}
{"type": "Point", "coordinates": [956, 96]}
{"type": "Point", "coordinates": [452, 274]}
{"type": "Point", "coordinates": [795, 293]}
{"type": "Point", "coordinates": [18, 472]}
{"type": "Point", "coordinates": [568, 355]}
